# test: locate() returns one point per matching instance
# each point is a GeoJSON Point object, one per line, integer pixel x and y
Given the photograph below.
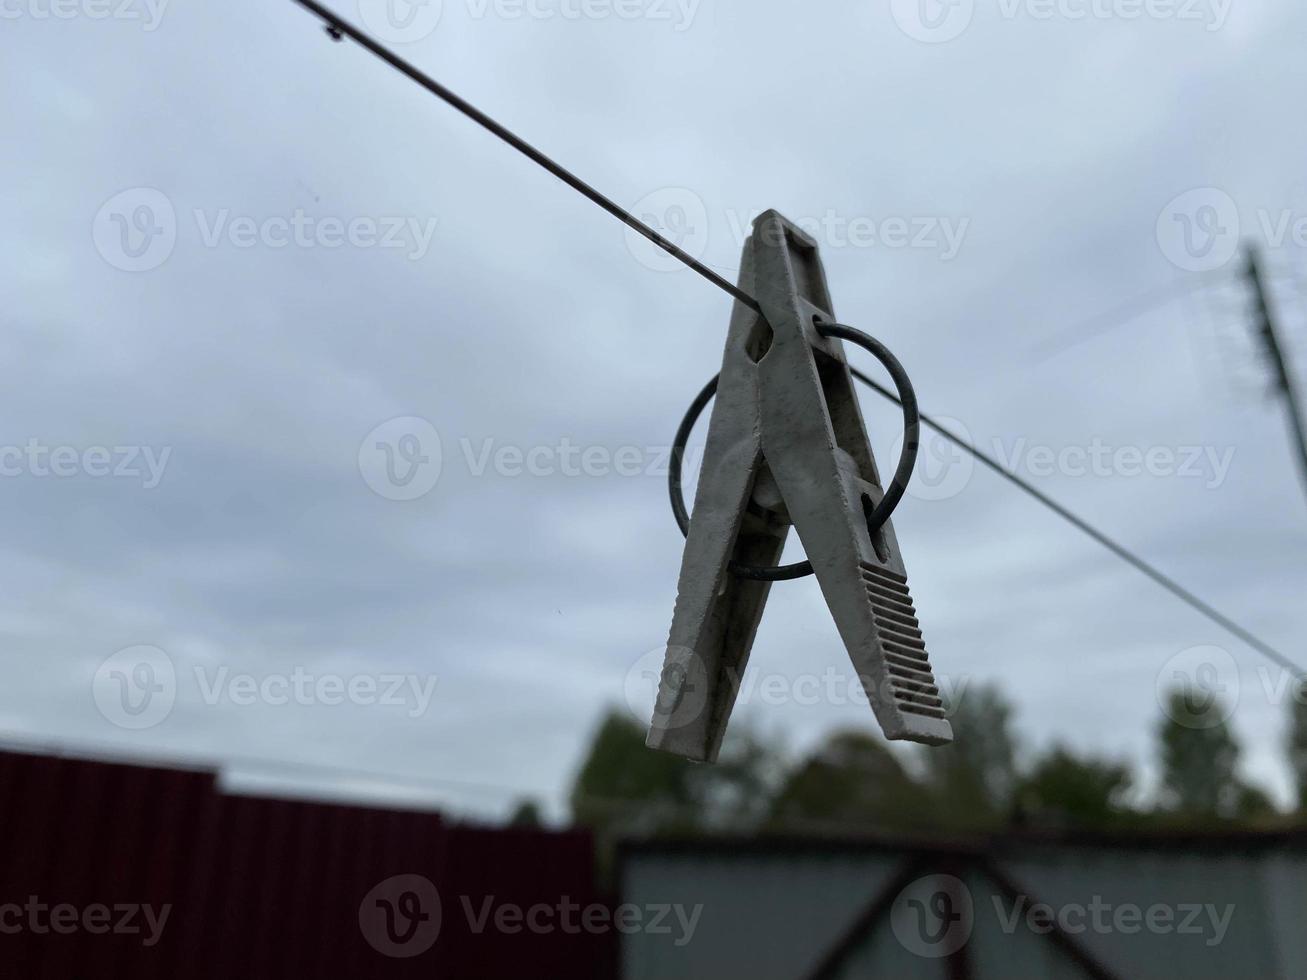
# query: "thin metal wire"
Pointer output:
{"type": "Point", "coordinates": [337, 27]}
{"type": "Point", "coordinates": [1120, 550]}
{"type": "Point", "coordinates": [1122, 314]}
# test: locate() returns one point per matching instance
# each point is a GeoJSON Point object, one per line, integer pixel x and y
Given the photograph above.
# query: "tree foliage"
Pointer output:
{"type": "Point", "coordinates": [1199, 758]}
{"type": "Point", "coordinates": [1064, 790]}
{"type": "Point", "coordinates": [853, 781]}
{"type": "Point", "coordinates": [625, 787]}
{"type": "Point", "coordinates": [1298, 744]}
{"type": "Point", "coordinates": [973, 780]}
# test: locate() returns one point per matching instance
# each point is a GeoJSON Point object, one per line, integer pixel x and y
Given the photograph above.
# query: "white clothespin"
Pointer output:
{"type": "Point", "coordinates": [787, 445]}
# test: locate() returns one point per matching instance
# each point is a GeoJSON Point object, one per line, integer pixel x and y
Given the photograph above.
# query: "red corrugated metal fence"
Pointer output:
{"type": "Point", "coordinates": [269, 888]}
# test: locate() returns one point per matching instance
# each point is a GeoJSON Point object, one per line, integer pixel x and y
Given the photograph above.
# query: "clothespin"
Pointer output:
{"type": "Point", "coordinates": [787, 445]}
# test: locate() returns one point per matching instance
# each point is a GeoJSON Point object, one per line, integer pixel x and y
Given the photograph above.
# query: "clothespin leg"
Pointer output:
{"type": "Point", "coordinates": [717, 612]}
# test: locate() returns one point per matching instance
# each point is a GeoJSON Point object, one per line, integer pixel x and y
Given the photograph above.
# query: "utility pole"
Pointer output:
{"type": "Point", "coordinates": [1270, 335]}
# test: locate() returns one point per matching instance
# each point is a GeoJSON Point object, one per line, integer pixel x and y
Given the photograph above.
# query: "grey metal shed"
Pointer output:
{"type": "Point", "coordinates": [1138, 905]}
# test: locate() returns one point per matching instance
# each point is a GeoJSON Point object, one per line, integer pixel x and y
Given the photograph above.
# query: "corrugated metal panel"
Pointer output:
{"type": "Point", "coordinates": [912, 939]}
{"type": "Point", "coordinates": [993, 951]}
{"type": "Point", "coordinates": [766, 917]}
{"type": "Point", "coordinates": [882, 955]}
{"type": "Point", "coordinates": [1146, 908]}
{"type": "Point", "coordinates": [1286, 894]}
{"type": "Point", "coordinates": [1210, 913]}
{"type": "Point", "coordinates": [266, 888]}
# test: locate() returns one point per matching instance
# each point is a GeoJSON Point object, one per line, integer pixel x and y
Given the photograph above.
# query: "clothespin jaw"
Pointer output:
{"type": "Point", "coordinates": [787, 445]}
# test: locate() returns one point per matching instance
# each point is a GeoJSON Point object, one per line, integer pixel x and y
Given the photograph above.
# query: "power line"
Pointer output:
{"type": "Point", "coordinates": [115, 752]}
{"type": "Point", "coordinates": [1118, 316]}
{"type": "Point", "coordinates": [338, 27]}
{"type": "Point", "coordinates": [112, 753]}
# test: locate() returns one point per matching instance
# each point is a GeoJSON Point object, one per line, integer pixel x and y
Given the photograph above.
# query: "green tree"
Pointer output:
{"type": "Point", "coordinates": [625, 787]}
{"type": "Point", "coordinates": [736, 792]}
{"type": "Point", "coordinates": [1199, 758]}
{"type": "Point", "coordinates": [1298, 743]}
{"type": "Point", "coordinates": [623, 784]}
{"type": "Point", "coordinates": [852, 779]}
{"type": "Point", "coordinates": [1065, 790]}
{"type": "Point", "coordinates": [527, 816]}
{"type": "Point", "coordinates": [973, 779]}
{"type": "Point", "coordinates": [1254, 805]}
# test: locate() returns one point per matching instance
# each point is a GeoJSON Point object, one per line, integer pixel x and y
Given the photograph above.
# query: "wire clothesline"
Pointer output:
{"type": "Point", "coordinates": [339, 28]}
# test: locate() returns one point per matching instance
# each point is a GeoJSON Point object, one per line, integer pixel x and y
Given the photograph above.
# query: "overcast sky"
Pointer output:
{"type": "Point", "coordinates": [234, 252]}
